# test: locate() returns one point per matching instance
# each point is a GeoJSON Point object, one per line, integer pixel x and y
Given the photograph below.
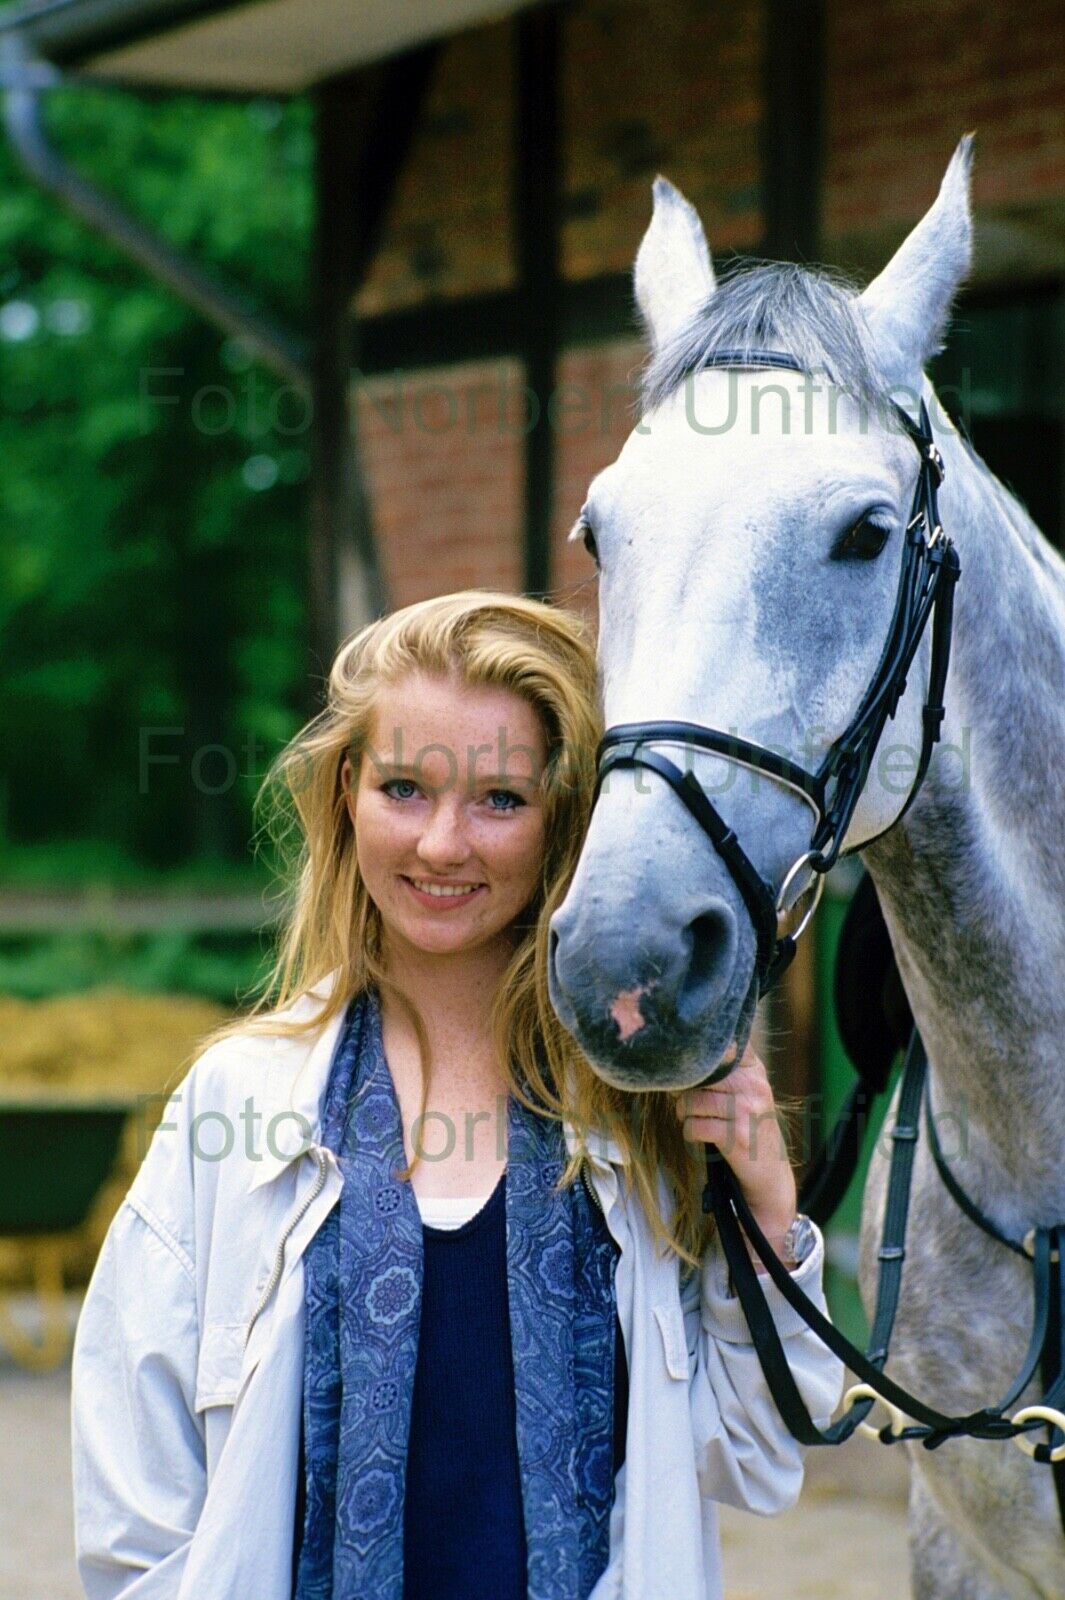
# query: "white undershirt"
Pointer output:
{"type": "Point", "coordinates": [450, 1211]}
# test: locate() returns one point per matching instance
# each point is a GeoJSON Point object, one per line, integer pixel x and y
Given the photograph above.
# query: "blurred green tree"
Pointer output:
{"type": "Point", "coordinates": [152, 495]}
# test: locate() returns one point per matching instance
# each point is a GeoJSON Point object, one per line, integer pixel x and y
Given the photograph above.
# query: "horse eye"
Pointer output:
{"type": "Point", "coordinates": [862, 542]}
{"type": "Point", "coordinates": [590, 544]}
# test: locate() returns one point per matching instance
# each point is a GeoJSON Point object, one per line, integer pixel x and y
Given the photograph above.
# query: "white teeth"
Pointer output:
{"type": "Point", "coordinates": [443, 891]}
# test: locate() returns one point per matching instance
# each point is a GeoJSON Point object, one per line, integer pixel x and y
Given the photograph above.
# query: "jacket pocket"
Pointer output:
{"type": "Point", "coordinates": [670, 1319]}
{"type": "Point", "coordinates": [218, 1371]}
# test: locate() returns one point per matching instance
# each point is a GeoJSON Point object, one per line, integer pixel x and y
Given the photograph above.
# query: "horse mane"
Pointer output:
{"type": "Point", "coordinates": [773, 305]}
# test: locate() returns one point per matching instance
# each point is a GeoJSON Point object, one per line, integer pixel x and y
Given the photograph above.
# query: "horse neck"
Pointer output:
{"type": "Point", "coordinates": [973, 880]}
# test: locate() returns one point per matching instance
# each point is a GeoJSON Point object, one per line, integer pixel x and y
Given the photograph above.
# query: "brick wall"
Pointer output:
{"type": "Point", "coordinates": [448, 228]}
{"type": "Point", "coordinates": [674, 86]}
{"type": "Point", "coordinates": [596, 418]}
{"type": "Point", "coordinates": [646, 86]}
{"type": "Point", "coordinates": [654, 86]}
{"type": "Point", "coordinates": [443, 457]}
{"type": "Point", "coordinates": [907, 79]}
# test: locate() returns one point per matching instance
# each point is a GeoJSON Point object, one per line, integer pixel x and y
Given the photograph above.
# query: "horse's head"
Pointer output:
{"type": "Point", "coordinates": [749, 538]}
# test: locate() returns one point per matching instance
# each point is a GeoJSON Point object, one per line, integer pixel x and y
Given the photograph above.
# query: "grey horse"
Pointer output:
{"type": "Point", "coordinates": [749, 539]}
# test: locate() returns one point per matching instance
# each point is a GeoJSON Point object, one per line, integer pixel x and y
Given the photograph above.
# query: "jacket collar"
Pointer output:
{"type": "Point", "coordinates": [298, 1078]}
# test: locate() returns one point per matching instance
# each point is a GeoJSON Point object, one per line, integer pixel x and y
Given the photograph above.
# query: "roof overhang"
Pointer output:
{"type": "Point", "coordinates": [275, 47]}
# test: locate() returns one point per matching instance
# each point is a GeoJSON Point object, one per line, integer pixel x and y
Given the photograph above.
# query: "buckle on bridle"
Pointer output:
{"type": "Point", "coordinates": [1028, 1246]}
{"type": "Point", "coordinates": [935, 461]}
{"type": "Point", "coordinates": [921, 521]}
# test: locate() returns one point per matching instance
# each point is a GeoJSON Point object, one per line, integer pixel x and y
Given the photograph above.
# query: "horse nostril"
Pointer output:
{"type": "Point", "coordinates": [712, 937]}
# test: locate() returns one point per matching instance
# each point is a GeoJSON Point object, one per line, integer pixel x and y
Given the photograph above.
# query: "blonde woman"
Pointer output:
{"type": "Point", "coordinates": [405, 1303]}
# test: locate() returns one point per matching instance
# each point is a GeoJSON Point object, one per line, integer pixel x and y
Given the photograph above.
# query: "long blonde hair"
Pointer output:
{"type": "Point", "coordinates": [330, 924]}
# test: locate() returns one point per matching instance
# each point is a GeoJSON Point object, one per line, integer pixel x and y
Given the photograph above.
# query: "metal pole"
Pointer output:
{"type": "Point", "coordinates": [276, 347]}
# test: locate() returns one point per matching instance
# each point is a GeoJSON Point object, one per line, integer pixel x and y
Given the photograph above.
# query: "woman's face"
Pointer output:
{"type": "Point", "coordinates": [448, 812]}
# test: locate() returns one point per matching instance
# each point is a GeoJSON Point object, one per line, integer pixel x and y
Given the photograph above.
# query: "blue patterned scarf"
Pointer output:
{"type": "Point", "coordinates": [362, 1346]}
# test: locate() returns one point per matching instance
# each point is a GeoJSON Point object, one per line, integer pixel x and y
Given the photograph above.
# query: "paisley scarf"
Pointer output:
{"type": "Point", "coordinates": [363, 1278]}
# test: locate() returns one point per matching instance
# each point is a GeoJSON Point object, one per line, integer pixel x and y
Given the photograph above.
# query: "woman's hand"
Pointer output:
{"type": "Point", "coordinates": [738, 1114]}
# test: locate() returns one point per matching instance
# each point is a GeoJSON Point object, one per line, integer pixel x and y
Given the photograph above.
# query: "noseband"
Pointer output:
{"type": "Point", "coordinates": [930, 569]}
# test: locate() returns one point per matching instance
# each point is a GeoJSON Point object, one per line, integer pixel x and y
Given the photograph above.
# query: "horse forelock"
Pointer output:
{"type": "Point", "coordinates": [809, 313]}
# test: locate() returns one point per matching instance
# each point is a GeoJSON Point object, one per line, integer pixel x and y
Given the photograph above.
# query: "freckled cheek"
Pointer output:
{"type": "Point", "coordinates": [516, 862]}
{"type": "Point", "coordinates": [383, 840]}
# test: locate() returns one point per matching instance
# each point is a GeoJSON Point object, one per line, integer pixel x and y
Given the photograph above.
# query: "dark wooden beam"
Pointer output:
{"type": "Point", "coordinates": [793, 128]}
{"type": "Point", "coordinates": [337, 502]}
{"type": "Point", "coordinates": [365, 124]}
{"type": "Point", "coordinates": [401, 85]}
{"type": "Point", "coordinates": [486, 327]}
{"type": "Point", "coordinates": [536, 249]}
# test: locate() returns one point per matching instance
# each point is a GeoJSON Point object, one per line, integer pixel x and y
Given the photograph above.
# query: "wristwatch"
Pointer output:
{"type": "Point", "coordinates": [799, 1240]}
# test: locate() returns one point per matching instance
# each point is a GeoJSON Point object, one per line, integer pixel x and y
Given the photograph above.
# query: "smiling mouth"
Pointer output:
{"type": "Point", "coordinates": [446, 892]}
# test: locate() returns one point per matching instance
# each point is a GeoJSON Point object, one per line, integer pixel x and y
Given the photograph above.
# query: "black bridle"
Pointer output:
{"type": "Point", "coordinates": [930, 569]}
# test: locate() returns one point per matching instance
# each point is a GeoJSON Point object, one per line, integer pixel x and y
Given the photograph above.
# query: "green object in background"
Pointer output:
{"type": "Point", "coordinates": [54, 1160]}
{"type": "Point", "coordinates": [219, 966]}
{"type": "Point", "coordinates": [837, 1079]}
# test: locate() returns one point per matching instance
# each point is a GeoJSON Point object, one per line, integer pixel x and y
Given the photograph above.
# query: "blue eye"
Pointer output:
{"type": "Point", "coordinates": [503, 800]}
{"type": "Point", "coordinates": [400, 789]}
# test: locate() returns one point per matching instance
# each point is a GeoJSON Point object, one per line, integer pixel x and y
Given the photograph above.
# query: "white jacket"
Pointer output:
{"type": "Point", "coordinates": [188, 1360]}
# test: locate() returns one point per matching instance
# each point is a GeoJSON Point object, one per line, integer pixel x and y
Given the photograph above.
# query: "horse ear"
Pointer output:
{"type": "Point", "coordinates": [673, 276]}
{"type": "Point", "coordinates": [907, 306]}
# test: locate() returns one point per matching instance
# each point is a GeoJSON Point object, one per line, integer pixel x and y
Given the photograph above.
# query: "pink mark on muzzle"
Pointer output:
{"type": "Point", "coordinates": [625, 1010]}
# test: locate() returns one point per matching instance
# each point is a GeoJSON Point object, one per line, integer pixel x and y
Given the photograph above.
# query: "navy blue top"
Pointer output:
{"type": "Point", "coordinates": [464, 1531]}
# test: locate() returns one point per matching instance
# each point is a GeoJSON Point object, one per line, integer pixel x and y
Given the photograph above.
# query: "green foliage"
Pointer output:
{"type": "Point", "coordinates": [227, 968]}
{"type": "Point", "coordinates": [152, 496]}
